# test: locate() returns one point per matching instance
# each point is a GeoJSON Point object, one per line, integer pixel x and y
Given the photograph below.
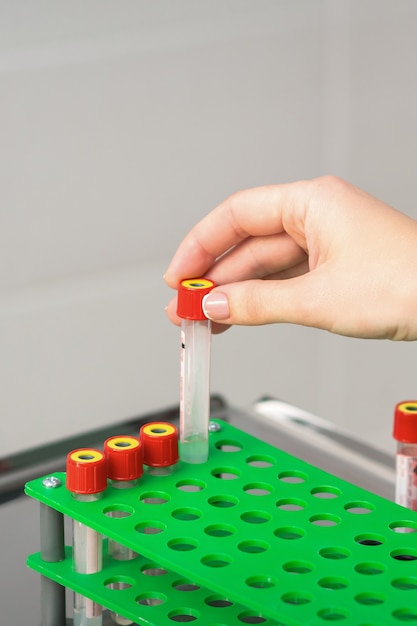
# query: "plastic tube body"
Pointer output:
{"type": "Point", "coordinates": [87, 558]}
{"type": "Point", "coordinates": [406, 475]}
{"type": "Point", "coordinates": [405, 433]}
{"type": "Point", "coordinates": [195, 390]}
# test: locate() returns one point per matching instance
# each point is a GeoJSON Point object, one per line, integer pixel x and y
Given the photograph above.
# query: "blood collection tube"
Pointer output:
{"type": "Point", "coordinates": [160, 447]}
{"type": "Point", "coordinates": [195, 370]}
{"type": "Point", "coordinates": [405, 432]}
{"type": "Point", "coordinates": [86, 480]}
{"type": "Point", "coordinates": [124, 467]}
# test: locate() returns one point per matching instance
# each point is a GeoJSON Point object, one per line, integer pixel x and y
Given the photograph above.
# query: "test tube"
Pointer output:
{"type": "Point", "coordinates": [195, 370]}
{"type": "Point", "coordinates": [405, 433]}
{"type": "Point", "coordinates": [160, 447]}
{"type": "Point", "coordinates": [124, 467]}
{"type": "Point", "coordinates": [86, 480]}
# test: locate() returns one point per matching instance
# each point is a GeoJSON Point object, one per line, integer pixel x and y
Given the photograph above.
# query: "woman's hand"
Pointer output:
{"type": "Point", "coordinates": [319, 253]}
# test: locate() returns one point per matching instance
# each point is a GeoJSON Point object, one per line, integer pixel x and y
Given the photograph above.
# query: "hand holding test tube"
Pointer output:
{"type": "Point", "coordinates": [195, 370]}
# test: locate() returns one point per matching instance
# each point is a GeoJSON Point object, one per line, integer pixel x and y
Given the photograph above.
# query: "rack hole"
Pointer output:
{"type": "Point", "coordinates": [406, 614]}
{"type": "Point", "coordinates": [218, 602]}
{"type": "Point", "coordinates": [258, 489]}
{"type": "Point", "coordinates": [404, 526]}
{"type": "Point", "coordinates": [185, 585]}
{"type": "Point", "coordinates": [261, 582]}
{"type": "Point", "coordinates": [404, 554]}
{"type": "Point", "coordinates": [119, 583]}
{"type": "Point", "coordinates": [152, 569]}
{"type": "Point", "coordinates": [190, 485]}
{"type": "Point", "coordinates": [291, 504]}
{"type": "Point", "coordinates": [260, 461]}
{"type": "Point", "coordinates": [370, 540]}
{"type": "Point", "coordinates": [297, 598]}
{"type": "Point", "coordinates": [334, 582]}
{"type": "Point", "coordinates": [227, 445]}
{"type": "Point", "coordinates": [183, 615]}
{"type": "Point", "coordinates": [186, 514]}
{"type": "Point", "coordinates": [255, 517]}
{"type": "Point", "coordinates": [219, 530]}
{"type": "Point", "coordinates": [298, 567]}
{"type": "Point", "coordinates": [253, 546]}
{"type": "Point", "coordinates": [150, 528]}
{"type": "Point", "coordinates": [406, 584]}
{"type": "Point", "coordinates": [326, 492]}
{"type": "Point", "coordinates": [333, 614]}
{"type": "Point", "coordinates": [118, 511]}
{"type": "Point", "coordinates": [216, 560]}
{"type": "Point", "coordinates": [251, 618]}
{"type": "Point", "coordinates": [325, 520]}
{"type": "Point", "coordinates": [151, 599]}
{"type": "Point", "coordinates": [226, 473]}
{"type": "Point", "coordinates": [370, 598]}
{"type": "Point", "coordinates": [370, 569]}
{"type": "Point", "coordinates": [292, 477]}
{"type": "Point", "coordinates": [154, 497]}
{"type": "Point", "coordinates": [289, 533]}
{"type": "Point", "coordinates": [334, 553]}
{"type": "Point", "coordinates": [183, 545]}
{"type": "Point", "coordinates": [223, 502]}
{"type": "Point", "coordinates": [359, 508]}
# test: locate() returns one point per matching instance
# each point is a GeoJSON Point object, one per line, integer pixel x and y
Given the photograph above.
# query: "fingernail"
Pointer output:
{"type": "Point", "coordinates": [216, 306]}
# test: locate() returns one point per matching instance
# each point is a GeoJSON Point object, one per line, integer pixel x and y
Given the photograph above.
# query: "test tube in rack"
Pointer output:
{"type": "Point", "coordinates": [405, 433]}
{"type": "Point", "coordinates": [124, 468]}
{"type": "Point", "coordinates": [194, 370]}
{"type": "Point", "coordinates": [160, 447]}
{"type": "Point", "coordinates": [86, 480]}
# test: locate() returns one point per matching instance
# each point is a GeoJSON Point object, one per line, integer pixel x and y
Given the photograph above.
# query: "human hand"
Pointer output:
{"type": "Point", "coordinates": [319, 253]}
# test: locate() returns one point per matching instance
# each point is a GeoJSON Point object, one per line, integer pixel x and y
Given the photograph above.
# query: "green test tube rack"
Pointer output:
{"type": "Point", "coordinates": [252, 536]}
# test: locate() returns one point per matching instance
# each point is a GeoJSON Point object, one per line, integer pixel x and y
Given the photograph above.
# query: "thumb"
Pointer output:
{"type": "Point", "coordinates": [257, 302]}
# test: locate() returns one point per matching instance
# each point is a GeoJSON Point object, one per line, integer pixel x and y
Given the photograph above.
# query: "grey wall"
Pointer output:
{"type": "Point", "coordinates": [123, 123]}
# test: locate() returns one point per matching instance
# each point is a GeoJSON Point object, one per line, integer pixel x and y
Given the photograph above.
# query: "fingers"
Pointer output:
{"type": "Point", "coordinates": [255, 302]}
{"type": "Point", "coordinates": [258, 257]}
{"type": "Point", "coordinates": [251, 213]}
{"type": "Point", "coordinates": [171, 311]}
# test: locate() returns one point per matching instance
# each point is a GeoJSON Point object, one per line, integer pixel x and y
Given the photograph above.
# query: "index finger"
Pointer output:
{"type": "Point", "coordinates": [249, 213]}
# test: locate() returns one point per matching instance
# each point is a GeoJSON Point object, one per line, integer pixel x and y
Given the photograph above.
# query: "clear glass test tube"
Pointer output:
{"type": "Point", "coordinates": [194, 370]}
{"type": "Point", "coordinates": [195, 391]}
{"type": "Point", "coordinates": [124, 468]}
{"type": "Point", "coordinates": [88, 559]}
{"type": "Point", "coordinates": [86, 480]}
{"type": "Point", "coordinates": [405, 433]}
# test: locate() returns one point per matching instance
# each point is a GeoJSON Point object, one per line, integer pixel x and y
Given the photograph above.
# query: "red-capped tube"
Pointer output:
{"type": "Point", "coordinates": [405, 422]}
{"type": "Point", "coordinates": [160, 444]}
{"type": "Point", "coordinates": [190, 298]}
{"type": "Point", "coordinates": [124, 458]}
{"type": "Point", "coordinates": [405, 432]}
{"type": "Point", "coordinates": [86, 471]}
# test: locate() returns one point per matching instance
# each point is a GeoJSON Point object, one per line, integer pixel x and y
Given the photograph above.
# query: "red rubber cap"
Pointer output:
{"type": "Point", "coordinates": [86, 471]}
{"type": "Point", "coordinates": [124, 457]}
{"type": "Point", "coordinates": [190, 298]}
{"type": "Point", "coordinates": [405, 422]}
{"type": "Point", "coordinates": [160, 444]}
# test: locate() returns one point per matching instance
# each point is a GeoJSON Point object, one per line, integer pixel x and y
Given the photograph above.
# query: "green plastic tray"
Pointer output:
{"type": "Point", "coordinates": [266, 537]}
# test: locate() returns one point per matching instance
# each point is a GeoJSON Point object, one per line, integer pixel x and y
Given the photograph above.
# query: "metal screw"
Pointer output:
{"type": "Point", "coordinates": [51, 482]}
{"type": "Point", "coordinates": [214, 427]}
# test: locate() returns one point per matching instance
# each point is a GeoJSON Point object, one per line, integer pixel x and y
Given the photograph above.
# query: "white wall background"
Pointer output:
{"type": "Point", "coordinates": [121, 124]}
